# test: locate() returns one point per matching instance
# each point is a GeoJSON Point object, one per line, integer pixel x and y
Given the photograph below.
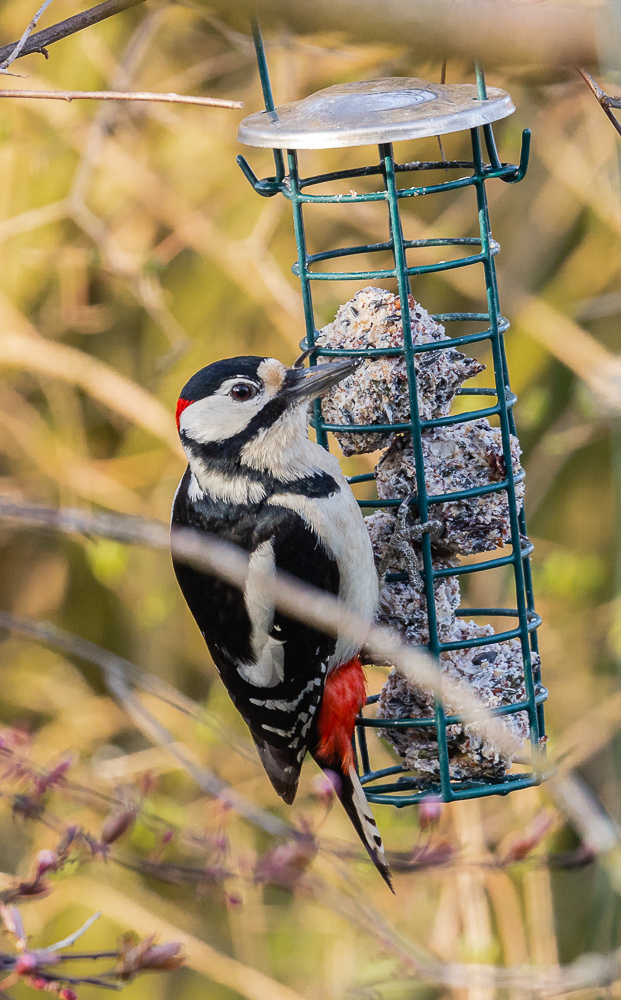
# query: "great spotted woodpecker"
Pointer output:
{"type": "Point", "coordinates": [255, 479]}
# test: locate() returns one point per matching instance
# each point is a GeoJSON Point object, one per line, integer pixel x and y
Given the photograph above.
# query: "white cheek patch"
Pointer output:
{"type": "Point", "coordinates": [218, 417]}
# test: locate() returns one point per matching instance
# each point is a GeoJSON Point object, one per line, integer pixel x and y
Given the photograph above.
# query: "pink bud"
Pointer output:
{"type": "Point", "coordinates": [67, 994]}
{"type": "Point", "coordinates": [146, 783]}
{"type": "Point", "coordinates": [46, 862]}
{"type": "Point", "coordinates": [162, 956]}
{"type": "Point", "coordinates": [117, 824]}
{"type": "Point", "coordinates": [38, 983]}
{"type": "Point", "coordinates": [53, 777]}
{"type": "Point", "coordinates": [26, 964]}
{"type": "Point", "coordinates": [430, 810]}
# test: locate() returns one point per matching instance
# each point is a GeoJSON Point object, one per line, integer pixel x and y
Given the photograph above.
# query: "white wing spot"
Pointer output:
{"type": "Point", "coordinates": [279, 732]}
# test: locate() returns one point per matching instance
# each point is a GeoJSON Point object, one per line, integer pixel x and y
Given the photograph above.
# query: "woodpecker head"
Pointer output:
{"type": "Point", "coordinates": [252, 408]}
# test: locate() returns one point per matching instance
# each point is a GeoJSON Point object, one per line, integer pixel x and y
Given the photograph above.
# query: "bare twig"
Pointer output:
{"type": "Point", "coordinates": [66, 942]}
{"type": "Point", "coordinates": [39, 41]}
{"type": "Point", "coordinates": [27, 33]}
{"type": "Point", "coordinates": [605, 102]}
{"type": "Point", "coordinates": [120, 95]}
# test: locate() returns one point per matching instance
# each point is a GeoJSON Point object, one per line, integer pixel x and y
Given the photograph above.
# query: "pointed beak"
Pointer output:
{"type": "Point", "coordinates": [309, 383]}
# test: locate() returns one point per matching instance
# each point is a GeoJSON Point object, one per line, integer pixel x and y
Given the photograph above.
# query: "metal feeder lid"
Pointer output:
{"type": "Point", "coordinates": [374, 111]}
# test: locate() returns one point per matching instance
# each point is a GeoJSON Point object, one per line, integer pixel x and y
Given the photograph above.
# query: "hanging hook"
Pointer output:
{"type": "Point", "coordinates": [270, 185]}
{"type": "Point", "coordinates": [520, 171]}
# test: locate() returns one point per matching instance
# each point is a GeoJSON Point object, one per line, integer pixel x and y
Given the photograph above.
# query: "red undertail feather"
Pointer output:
{"type": "Point", "coordinates": [344, 696]}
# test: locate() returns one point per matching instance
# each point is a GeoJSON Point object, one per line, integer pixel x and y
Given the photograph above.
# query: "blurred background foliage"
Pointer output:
{"type": "Point", "coordinates": [133, 252]}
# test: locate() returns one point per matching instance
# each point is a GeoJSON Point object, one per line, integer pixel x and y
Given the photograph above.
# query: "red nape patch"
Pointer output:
{"type": "Point", "coordinates": [344, 695]}
{"type": "Point", "coordinates": [181, 405]}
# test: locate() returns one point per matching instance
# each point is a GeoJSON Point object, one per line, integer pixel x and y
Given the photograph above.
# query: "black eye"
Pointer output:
{"type": "Point", "coordinates": [243, 391]}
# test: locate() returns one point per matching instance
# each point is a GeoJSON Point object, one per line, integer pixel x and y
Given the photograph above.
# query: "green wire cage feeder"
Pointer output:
{"type": "Point", "coordinates": [379, 113]}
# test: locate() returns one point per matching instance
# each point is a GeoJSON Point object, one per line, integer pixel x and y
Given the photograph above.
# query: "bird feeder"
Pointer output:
{"type": "Point", "coordinates": [382, 112]}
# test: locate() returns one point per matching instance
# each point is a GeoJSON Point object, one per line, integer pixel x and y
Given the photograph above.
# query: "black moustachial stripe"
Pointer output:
{"type": "Point", "coordinates": [229, 448]}
{"type": "Point", "coordinates": [215, 459]}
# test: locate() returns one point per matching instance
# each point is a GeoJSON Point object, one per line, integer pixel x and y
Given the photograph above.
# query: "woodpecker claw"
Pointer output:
{"type": "Point", "coordinates": [299, 362]}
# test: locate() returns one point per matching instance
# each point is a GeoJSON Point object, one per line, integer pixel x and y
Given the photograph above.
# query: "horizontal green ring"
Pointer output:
{"type": "Point", "coordinates": [448, 265]}
{"type": "Point", "coordinates": [432, 498]}
{"type": "Point", "coordinates": [451, 720]}
{"type": "Point", "coordinates": [504, 786]}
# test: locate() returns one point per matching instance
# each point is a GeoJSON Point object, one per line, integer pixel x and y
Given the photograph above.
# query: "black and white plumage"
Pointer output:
{"type": "Point", "coordinates": [255, 479]}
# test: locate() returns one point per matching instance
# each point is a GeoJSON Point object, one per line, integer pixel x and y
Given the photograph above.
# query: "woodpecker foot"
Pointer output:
{"type": "Point", "coordinates": [404, 537]}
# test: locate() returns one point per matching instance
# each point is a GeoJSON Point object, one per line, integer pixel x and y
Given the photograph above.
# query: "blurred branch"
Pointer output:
{"type": "Point", "coordinates": [39, 968]}
{"type": "Point", "coordinates": [39, 41]}
{"type": "Point", "coordinates": [27, 33]}
{"type": "Point", "coordinates": [579, 350]}
{"type": "Point", "coordinates": [116, 672]}
{"type": "Point", "coordinates": [496, 32]}
{"type": "Point", "coordinates": [300, 601]}
{"type": "Point", "coordinates": [123, 396]}
{"type": "Point", "coordinates": [598, 832]}
{"type": "Point", "coordinates": [117, 95]}
{"type": "Point", "coordinates": [356, 908]}
{"type": "Point", "coordinates": [588, 734]}
{"type": "Point", "coordinates": [578, 803]}
{"type": "Point", "coordinates": [605, 102]}
{"type": "Point", "coordinates": [567, 435]}
{"type": "Point", "coordinates": [200, 956]}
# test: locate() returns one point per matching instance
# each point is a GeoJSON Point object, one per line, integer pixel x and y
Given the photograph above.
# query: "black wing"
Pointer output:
{"type": "Point", "coordinates": [274, 668]}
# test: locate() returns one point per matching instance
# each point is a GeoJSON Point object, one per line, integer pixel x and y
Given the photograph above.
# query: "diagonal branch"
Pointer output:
{"type": "Point", "coordinates": [119, 675]}
{"type": "Point", "coordinates": [26, 35]}
{"type": "Point", "coordinates": [39, 41]}
{"type": "Point", "coordinates": [605, 102]}
{"type": "Point", "coordinates": [290, 595]}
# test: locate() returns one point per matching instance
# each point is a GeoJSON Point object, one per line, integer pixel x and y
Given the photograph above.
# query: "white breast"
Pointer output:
{"type": "Point", "coordinates": [337, 521]}
{"type": "Point", "coordinates": [268, 667]}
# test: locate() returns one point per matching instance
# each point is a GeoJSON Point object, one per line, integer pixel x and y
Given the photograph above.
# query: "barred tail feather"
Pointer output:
{"type": "Point", "coordinates": [357, 808]}
{"type": "Point", "coordinates": [343, 697]}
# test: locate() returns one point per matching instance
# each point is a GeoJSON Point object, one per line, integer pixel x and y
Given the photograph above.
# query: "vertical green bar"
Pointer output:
{"type": "Point", "coordinates": [403, 283]}
{"type": "Point", "coordinates": [501, 388]}
{"type": "Point", "coordinates": [266, 87]}
{"type": "Point", "coordinates": [307, 297]}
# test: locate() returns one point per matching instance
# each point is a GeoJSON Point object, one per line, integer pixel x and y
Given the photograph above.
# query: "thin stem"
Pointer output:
{"type": "Point", "coordinates": [442, 82]}
{"type": "Point", "coordinates": [87, 956]}
{"type": "Point", "coordinates": [72, 938]}
{"type": "Point", "coordinates": [91, 981]}
{"type": "Point", "coordinates": [605, 102]}
{"type": "Point", "coordinates": [39, 41]}
{"type": "Point", "coordinates": [29, 30]}
{"type": "Point", "coordinates": [120, 95]}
